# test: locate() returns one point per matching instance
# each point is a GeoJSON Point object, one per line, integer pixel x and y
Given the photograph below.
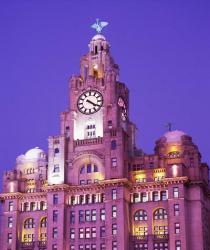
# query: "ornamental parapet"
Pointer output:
{"type": "Point", "coordinates": [86, 142]}
{"type": "Point", "coordinates": [145, 238]}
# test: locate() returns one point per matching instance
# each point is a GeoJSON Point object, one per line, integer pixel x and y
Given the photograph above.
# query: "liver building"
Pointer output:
{"type": "Point", "coordinates": [95, 189]}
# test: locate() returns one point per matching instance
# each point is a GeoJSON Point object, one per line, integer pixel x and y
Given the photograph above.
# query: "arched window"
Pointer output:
{"type": "Point", "coordinates": [113, 144]}
{"type": "Point", "coordinates": [26, 206]}
{"type": "Point", "coordinates": [140, 215]}
{"type": "Point", "coordinates": [56, 152]}
{"type": "Point", "coordinates": [95, 168]}
{"type": "Point", "coordinates": [160, 214]}
{"type": "Point", "coordinates": [82, 170]}
{"type": "Point", "coordinates": [29, 223]}
{"type": "Point", "coordinates": [43, 222]}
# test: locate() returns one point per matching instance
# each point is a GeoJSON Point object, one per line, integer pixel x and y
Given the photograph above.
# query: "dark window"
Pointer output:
{"type": "Point", "coordinates": [178, 244]}
{"type": "Point", "coordinates": [55, 199]}
{"type": "Point", "coordinates": [55, 232]}
{"type": "Point", "coordinates": [43, 222]}
{"type": "Point", "coordinates": [102, 231]}
{"type": "Point", "coordinates": [114, 211]}
{"type": "Point", "coordinates": [10, 222]}
{"type": "Point", "coordinates": [81, 216]}
{"type": "Point", "coordinates": [109, 124]}
{"type": "Point", "coordinates": [160, 214]}
{"type": "Point", "coordinates": [113, 144]}
{"type": "Point", "coordinates": [88, 168]}
{"type": "Point", "coordinates": [72, 217]}
{"type": "Point", "coordinates": [56, 152]}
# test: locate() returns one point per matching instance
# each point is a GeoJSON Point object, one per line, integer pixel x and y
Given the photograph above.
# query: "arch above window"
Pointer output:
{"type": "Point", "coordinates": [43, 222]}
{"type": "Point", "coordinates": [29, 223]}
{"type": "Point", "coordinates": [140, 215]}
{"type": "Point", "coordinates": [160, 214]}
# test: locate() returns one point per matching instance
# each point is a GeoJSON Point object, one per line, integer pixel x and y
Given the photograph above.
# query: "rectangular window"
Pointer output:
{"type": "Point", "coordinates": [102, 231]}
{"type": "Point", "coordinates": [9, 238]}
{"type": "Point", "coordinates": [114, 211]}
{"type": "Point", "coordinates": [177, 228]}
{"type": "Point", "coordinates": [93, 246]}
{"type": "Point", "coordinates": [93, 215]}
{"type": "Point", "coordinates": [155, 196]}
{"type": "Point", "coordinates": [81, 216]}
{"type": "Point", "coordinates": [55, 199]}
{"type": "Point", "coordinates": [55, 232]}
{"type": "Point", "coordinates": [81, 233]}
{"type": "Point", "coordinates": [136, 197]}
{"type": "Point", "coordinates": [114, 162]}
{"type": "Point", "coordinates": [177, 245]}
{"type": "Point", "coordinates": [72, 233]}
{"type": "Point", "coordinates": [10, 222]}
{"type": "Point", "coordinates": [72, 217]}
{"type": "Point", "coordinates": [89, 168]}
{"type": "Point", "coordinates": [103, 246]}
{"type": "Point", "coordinates": [87, 233]}
{"type": "Point", "coordinates": [103, 214]}
{"type": "Point", "coordinates": [82, 182]}
{"type": "Point", "coordinates": [81, 247]}
{"type": "Point", "coordinates": [93, 232]}
{"type": "Point", "coordinates": [72, 247]}
{"type": "Point", "coordinates": [144, 197]}
{"type": "Point", "coordinates": [56, 168]}
{"type": "Point", "coordinates": [54, 247]}
{"type": "Point", "coordinates": [87, 215]}
{"type": "Point", "coordinates": [114, 245]}
{"type": "Point", "coordinates": [11, 206]}
{"type": "Point", "coordinates": [55, 215]}
{"type": "Point", "coordinates": [114, 194]}
{"type": "Point", "coordinates": [175, 192]}
{"type": "Point", "coordinates": [163, 195]}
{"type": "Point", "coordinates": [176, 209]}
{"type": "Point", "coordinates": [87, 247]}
{"type": "Point", "coordinates": [114, 229]}
{"type": "Point", "coordinates": [109, 124]}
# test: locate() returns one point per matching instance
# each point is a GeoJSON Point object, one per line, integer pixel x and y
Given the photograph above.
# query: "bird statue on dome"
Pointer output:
{"type": "Point", "coordinates": [99, 25]}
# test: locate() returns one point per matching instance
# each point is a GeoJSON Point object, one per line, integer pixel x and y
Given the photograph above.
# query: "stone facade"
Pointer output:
{"type": "Point", "coordinates": [95, 189]}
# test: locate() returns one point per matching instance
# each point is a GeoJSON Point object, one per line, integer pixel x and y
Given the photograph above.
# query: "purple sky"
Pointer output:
{"type": "Point", "coordinates": [162, 48]}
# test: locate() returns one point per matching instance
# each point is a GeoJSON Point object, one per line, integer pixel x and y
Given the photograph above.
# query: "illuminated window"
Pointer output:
{"type": "Point", "coordinates": [93, 232]}
{"type": "Point", "coordinates": [103, 214]}
{"type": "Point", "coordinates": [177, 228]}
{"type": "Point", "coordinates": [72, 247]}
{"type": "Point", "coordinates": [87, 247]}
{"type": "Point", "coordinates": [140, 215]}
{"type": "Point", "coordinates": [155, 196]}
{"type": "Point", "coordinates": [109, 124]}
{"type": "Point", "coordinates": [102, 231]}
{"type": "Point", "coordinates": [81, 247]}
{"type": "Point", "coordinates": [114, 162]}
{"type": "Point", "coordinates": [72, 217]}
{"type": "Point", "coordinates": [102, 246]}
{"type": "Point", "coordinates": [81, 233]}
{"type": "Point", "coordinates": [82, 182]}
{"type": "Point", "coordinates": [160, 214]}
{"type": "Point", "coordinates": [114, 245]}
{"type": "Point", "coordinates": [10, 222]}
{"type": "Point", "coordinates": [43, 236]}
{"type": "Point", "coordinates": [177, 245]}
{"type": "Point", "coordinates": [136, 197]}
{"type": "Point", "coordinates": [87, 233]}
{"type": "Point", "coordinates": [54, 247]}
{"type": "Point", "coordinates": [43, 222]}
{"type": "Point", "coordinates": [55, 233]}
{"type": "Point", "coordinates": [56, 168]}
{"type": "Point", "coordinates": [160, 230]}
{"type": "Point", "coordinates": [114, 211]}
{"type": "Point", "coordinates": [72, 233]}
{"type": "Point", "coordinates": [163, 195]}
{"type": "Point", "coordinates": [114, 194]}
{"type": "Point", "coordinates": [161, 246]}
{"type": "Point", "coordinates": [9, 238]}
{"type": "Point", "coordinates": [28, 237]}
{"type": "Point", "coordinates": [29, 223]}
{"type": "Point", "coordinates": [55, 199]}
{"type": "Point", "coordinates": [93, 215]}
{"type": "Point", "coordinates": [140, 246]}
{"type": "Point", "coordinates": [55, 215]}
{"type": "Point", "coordinates": [93, 246]}
{"type": "Point", "coordinates": [176, 209]}
{"type": "Point", "coordinates": [114, 229]}
{"type": "Point", "coordinates": [175, 192]}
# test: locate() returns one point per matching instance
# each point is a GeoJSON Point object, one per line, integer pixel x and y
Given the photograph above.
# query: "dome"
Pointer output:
{"type": "Point", "coordinates": [34, 154]}
{"type": "Point", "coordinates": [99, 37]}
{"type": "Point", "coordinates": [174, 136]}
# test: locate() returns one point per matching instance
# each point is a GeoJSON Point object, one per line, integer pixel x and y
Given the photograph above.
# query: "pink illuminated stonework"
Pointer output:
{"type": "Point", "coordinates": [95, 189]}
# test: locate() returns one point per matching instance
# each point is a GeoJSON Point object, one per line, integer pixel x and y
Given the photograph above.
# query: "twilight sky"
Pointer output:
{"type": "Point", "coordinates": [162, 48]}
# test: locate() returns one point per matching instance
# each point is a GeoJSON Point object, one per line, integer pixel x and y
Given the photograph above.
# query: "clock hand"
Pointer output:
{"type": "Point", "coordinates": [94, 104]}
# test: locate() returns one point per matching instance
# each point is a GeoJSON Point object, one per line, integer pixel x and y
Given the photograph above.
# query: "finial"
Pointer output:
{"type": "Point", "coordinates": [98, 26]}
{"type": "Point", "coordinates": [169, 126]}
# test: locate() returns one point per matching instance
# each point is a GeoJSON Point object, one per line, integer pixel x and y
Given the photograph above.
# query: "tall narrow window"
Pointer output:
{"type": "Point", "coordinates": [72, 217]}
{"type": "Point", "coordinates": [163, 195]}
{"type": "Point", "coordinates": [56, 168]}
{"type": "Point", "coordinates": [81, 233]}
{"type": "Point", "coordinates": [55, 215]}
{"type": "Point", "coordinates": [55, 232]}
{"type": "Point", "coordinates": [177, 228]}
{"type": "Point", "coordinates": [113, 144]}
{"type": "Point", "coordinates": [93, 232]}
{"type": "Point", "coordinates": [87, 215]}
{"type": "Point", "coordinates": [56, 152]}
{"type": "Point", "coordinates": [103, 214]}
{"type": "Point", "coordinates": [177, 245]}
{"type": "Point", "coordinates": [81, 216]}
{"type": "Point", "coordinates": [10, 222]}
{"type": "Point", "coordinates": [93, 215]}
{"type": "Point", "coordinates": [9, 238]}
{"type": "Point", "coordinates": [114, 211]}
{"type": "Point", "coordinates": [91, 130]}
{"type": "Point", "coordinates": [11, 206]}
{"type": "Point", "coordinates": [102, 231]}
{"type": "Point", "coordinates": [87, 233]}
{"type": "Point", "coordinates": [72, 233]}
{"type": "Point", "coordinates": [114, 245]}
{"type": "Point", "coordinates": [114, 229]}
{"type": "Point", "coordinates": [175, 192]}
{"type": "Point", "coordinates": [114, 162]}
{"type": "Point", "coordinates": [176, 209]}
{"type": "Point", "coordinates": [114, 194]}
{"type": "Point", "coordinates": [55, 199]}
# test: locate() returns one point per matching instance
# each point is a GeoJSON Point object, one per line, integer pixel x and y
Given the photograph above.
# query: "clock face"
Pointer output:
{"type": "Point", "coordinates": [123, 108]}
{"type": "Point", "coordinates": [90, 102]}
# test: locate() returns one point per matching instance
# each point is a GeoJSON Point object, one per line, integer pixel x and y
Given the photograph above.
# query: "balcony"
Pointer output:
{"type": "Point", "coordinates": [139, 238]}
{"type": "Point", "coordinates": [87, 142]}
{"type": "Point", "coordinates": [160, 237]}
{"type": "Point", "coordinates": [154, 237]}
